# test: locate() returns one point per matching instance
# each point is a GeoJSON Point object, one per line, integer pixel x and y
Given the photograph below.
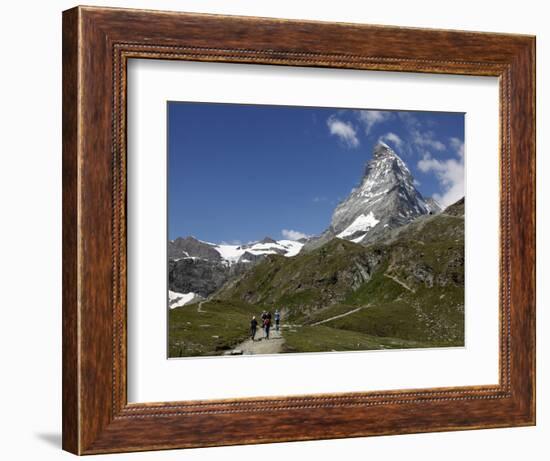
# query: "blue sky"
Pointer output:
{"type": "Point", "coordinates": [238, 173]}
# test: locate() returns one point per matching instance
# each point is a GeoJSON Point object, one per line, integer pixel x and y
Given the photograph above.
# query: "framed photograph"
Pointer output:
{"type": "Point", "coordinates": [381, 268]}
{"type": "Point", "coordinates": [281, 230]}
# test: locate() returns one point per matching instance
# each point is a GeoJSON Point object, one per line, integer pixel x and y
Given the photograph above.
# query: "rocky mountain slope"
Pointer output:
{"type": "Point", "coordinates": [386, 199]}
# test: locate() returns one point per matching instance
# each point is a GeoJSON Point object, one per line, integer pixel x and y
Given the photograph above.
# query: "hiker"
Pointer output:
{"type": "Point", "coordinates": [267, 325]}
{"type": "Point", "coordinates": [253, 326]}
{"type": "Point", "coordinates": [277, 319]}
{"type": "Point", "coordinates": [264, 316]}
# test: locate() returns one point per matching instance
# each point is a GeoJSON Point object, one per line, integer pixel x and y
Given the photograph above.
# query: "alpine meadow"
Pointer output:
{"type": "Point", "coordinates": [311, 229]}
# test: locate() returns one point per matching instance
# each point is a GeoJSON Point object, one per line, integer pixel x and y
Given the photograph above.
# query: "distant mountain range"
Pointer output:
{"type": "Point", "coordinates": [385, 200]}
{"type": "Point", "coordinates": [190, 247]}
{"type": "Point", "coordinates": [196, 268]}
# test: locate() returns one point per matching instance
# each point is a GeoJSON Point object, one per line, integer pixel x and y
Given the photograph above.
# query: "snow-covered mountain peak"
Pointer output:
{"type": "Point", "coordinates": [386, 166]}
{"type": "Point", "coordinates": [382, 149]}
{"type": "Point", "coordinates": [386, 198]}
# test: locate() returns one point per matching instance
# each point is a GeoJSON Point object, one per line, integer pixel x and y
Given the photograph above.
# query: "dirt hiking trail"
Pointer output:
{"type": "Point", "coordinates": [261, 345]}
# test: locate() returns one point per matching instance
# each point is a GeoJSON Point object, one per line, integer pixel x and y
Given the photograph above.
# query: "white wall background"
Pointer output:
{"type": "Point", "coordinates": [30, 227]}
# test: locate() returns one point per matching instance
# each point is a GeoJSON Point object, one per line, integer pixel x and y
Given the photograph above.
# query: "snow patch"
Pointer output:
{"type": "Point", "coordinates": [292, 246]}
{"type": "Point", "coordinates": [230, 253]}
{"type": "Point", "coordinates": [358, 239]}
{"type": "Point", "coordinates": [233, 253]}
{"type": "Point", "coordinates": [363, 223]}
{"type": "Point", "coordinates": [180, 299]}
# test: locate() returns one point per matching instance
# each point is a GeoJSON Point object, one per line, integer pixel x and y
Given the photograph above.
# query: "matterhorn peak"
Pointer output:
{"type": "Point", "coordinates": [385, 166]}
{"type": "Point", "coordinates": [381, 149]}
{"type": "Point", "coordinates": [385, 199]}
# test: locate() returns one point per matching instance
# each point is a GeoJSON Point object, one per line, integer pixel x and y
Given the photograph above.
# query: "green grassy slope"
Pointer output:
{"type": "Point", "coordinates": [322, 338]}
{"type": "Point", "coordinates": [308, 282]}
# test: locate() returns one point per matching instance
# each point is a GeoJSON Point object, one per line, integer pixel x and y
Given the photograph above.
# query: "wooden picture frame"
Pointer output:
{"type": "Point", "coordinates": [97, 43]}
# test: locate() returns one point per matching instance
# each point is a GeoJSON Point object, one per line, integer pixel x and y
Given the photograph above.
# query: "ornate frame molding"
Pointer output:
{"type": "Point", "coordinates": [97, 44]}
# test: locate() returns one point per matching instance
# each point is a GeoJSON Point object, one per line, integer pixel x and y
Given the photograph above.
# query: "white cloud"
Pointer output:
{"type": "Point", "coordinates": [293, 234]}
{"type": "Point", "coordinates": [392, 138]}
{"type": "Point", "coordinates": [458, 146]}
{"type": "Point", "coordinates": [426, 139]}
{"type": "Point", "coordinates": [449, 173]}
{"type": "Point", "coordinates": [344, 130]}
{"type": "Point", "coordinates": [417, 136]}
{"type": "Point", "coordinates": [372, 117]}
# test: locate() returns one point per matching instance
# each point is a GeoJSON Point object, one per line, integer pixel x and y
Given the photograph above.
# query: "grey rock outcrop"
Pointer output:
{"type": "Point", "coordinates": [456, 209]}
{"type": "Point", "coordinates": [201, 276]}
{"type": "Point", "coordinates": [191, 247]}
